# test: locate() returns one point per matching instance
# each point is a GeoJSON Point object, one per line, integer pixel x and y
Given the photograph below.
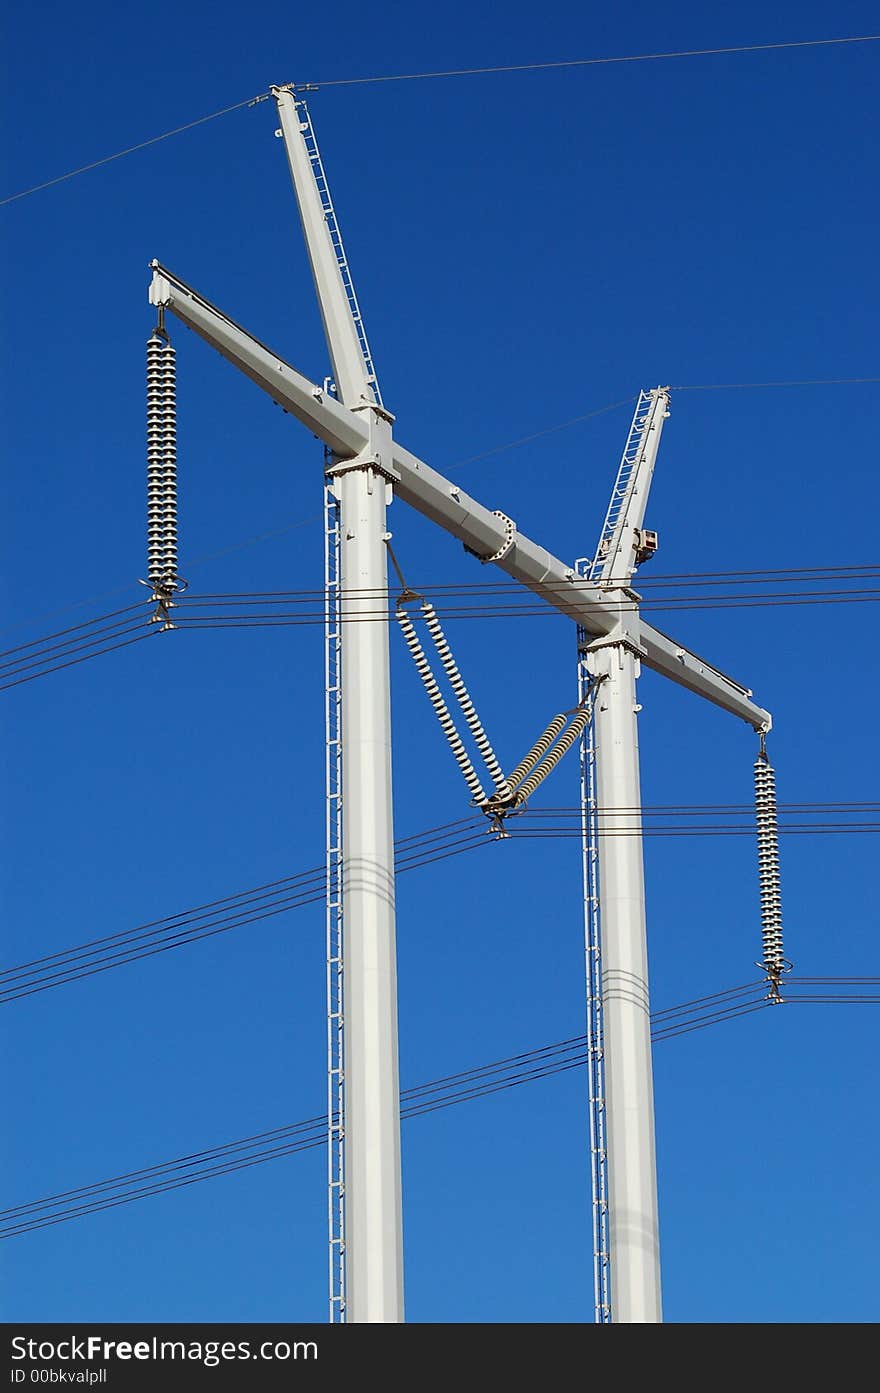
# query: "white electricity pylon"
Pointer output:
{"type": "Point", "coordinates": [366, 468]}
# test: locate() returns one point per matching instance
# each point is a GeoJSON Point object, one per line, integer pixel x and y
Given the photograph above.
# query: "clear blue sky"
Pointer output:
{"type": "Point", "coordinates": [526, 247]}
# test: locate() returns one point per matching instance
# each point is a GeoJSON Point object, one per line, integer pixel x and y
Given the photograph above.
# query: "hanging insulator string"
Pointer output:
{"type": "Point", "coordinates": [163, 577]}
{"type": "Point", "coordinates": [774, 962]}
{"type": "Point", "coordinates": [481, 740]}
{"type": "Point", "coordinates": [435, 696]}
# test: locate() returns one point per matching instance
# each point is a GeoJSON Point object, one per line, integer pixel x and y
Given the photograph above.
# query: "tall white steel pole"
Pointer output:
{"type": "Point", "coordinates": [373, 1201]}
{"type": "Point", "coordinates": [632, 1173]}
{"type": "Point", "coordinates": [372, 1198]}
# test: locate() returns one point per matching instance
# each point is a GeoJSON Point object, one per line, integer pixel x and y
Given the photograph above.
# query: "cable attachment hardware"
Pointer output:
{"type": "Point", "coordinates": [406, 594]}
{"type": "Point", "coordinates": [163, 578]}
{"type": "Point", "coordinates": [774, 962]}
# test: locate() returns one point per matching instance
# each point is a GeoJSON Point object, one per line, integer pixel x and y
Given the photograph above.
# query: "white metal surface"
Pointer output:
{"type": "Point", "coordinates": [373, 1203]}
{"type": "Point", "coordinates": [593, 966]}
{"type": "Point", "coordinates": [615, 558]}
{"type": "Point", "coordinates": [347, 432]}
{"type": "Point", "coordinates": [284, 98]}
{"type": "Point", "coordinates": [633, 1228]}
{"type": "Point", "coordinates": [334, 915]}
{"type": "Point", "coordinates": [371, 1197]}
{"type": "Point", "coordinates": [343, 326]}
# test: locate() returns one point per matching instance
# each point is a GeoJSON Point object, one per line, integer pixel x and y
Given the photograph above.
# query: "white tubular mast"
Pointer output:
{"type": "Point", "coordinates": [633, 1231]}
{"type": "Point", "coordinates": [373, 1232]}
{"type": "Point", "coordinates": [628, 1269]}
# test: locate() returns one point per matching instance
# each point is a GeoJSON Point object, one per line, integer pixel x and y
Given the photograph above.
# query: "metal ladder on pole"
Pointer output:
{"type": "Point", "coordinates": [620, 493]}
{"type": "Point", "coordinates": [334, 918]}
{"type": "Point", "coordinates": [593, 964]}
{"type": "Point", "coordinates": [323, 187]}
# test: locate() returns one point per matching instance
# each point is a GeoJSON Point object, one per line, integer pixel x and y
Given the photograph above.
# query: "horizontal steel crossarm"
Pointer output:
{"type": "Point", "coordinates": [346, 432]}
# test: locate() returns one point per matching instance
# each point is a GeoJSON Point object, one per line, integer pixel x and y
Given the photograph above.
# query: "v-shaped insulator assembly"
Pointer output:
{"type": "Point", "coordinates": [511, 791]}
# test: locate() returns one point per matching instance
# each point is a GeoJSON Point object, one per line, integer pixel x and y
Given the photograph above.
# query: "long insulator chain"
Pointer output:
{"type": "Point", "coordinates": [423, 667]}
{"type": "Point", "coordinates": [481, 740]}
{"type": "Point", "coordinates": [162, 573]}
{"type": "Point", "coordinates": [578, 724]}
{"type": "Point", "coordinates": [774, 962]}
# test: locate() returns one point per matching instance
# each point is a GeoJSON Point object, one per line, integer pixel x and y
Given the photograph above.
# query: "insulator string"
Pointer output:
{"type": "Point", "coordinates": [766, 819]}
{"type": "Point", "coordinates": [475, 725]}
{"type": "Point", "coordinates": [163, 576]}
{"type": "Point", "coordinates": [435, 696]}
{"type": "Point", "coordinates": [578, 723]}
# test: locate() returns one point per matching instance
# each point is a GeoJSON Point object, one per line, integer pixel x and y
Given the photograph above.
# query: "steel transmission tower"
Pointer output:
{"type": "Point", "coordinates": [365, 468]}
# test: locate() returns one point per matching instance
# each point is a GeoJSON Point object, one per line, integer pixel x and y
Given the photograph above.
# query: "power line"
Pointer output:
{"type": "Point", "coordinates": [131, 149]}
{"type": "Point", "coordinates": [515, 610]}
{"type": "Point", "coordinates": [626, 401]}
{"type": "Point", "coordinates": [801, 382]}
{"type": "Point", "coordinates": [74, 628]}
{"type": "Point", "coordinates": [446, 73]}
{"type": "Point", "coordinates": [288, 893]}
{"type": "Point", "coordinates": [63, 648]}
{"type": "Point", "coordinates": [591, 62]}
{"type": "Point", "coordinates": [465, 1086]}
{"type": "Point", "coordinates": [54, 652]}
{"type": "Point", "coordinates": [102, 955]}
{"type": "Point", "coordinates": [539, 434]}
{"type": "Point", "coordinates": [448, 1091]}
{"type": "Point", "coordinates": [504, 585]}
{"type": "Point", "coordinates": [72, 662]}
{"type": "Point", "coordinates": [525, 601]}
{"type": "Point", "coordinates": [683, 580]}
{"type": "Point", "coordinates": [311, 1123]}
